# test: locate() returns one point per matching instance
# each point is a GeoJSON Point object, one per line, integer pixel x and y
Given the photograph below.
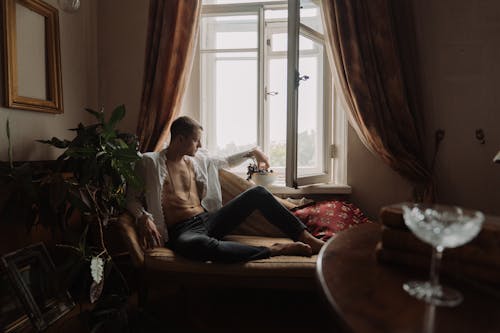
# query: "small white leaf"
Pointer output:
{"type": "Point", "coordinates": [97, 269]}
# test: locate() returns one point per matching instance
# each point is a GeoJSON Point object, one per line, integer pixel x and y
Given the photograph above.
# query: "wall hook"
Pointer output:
{"type": "Point", "coordinates": [480, 136]}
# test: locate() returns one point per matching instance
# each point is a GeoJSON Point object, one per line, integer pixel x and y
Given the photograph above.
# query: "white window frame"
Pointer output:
{"type": "Point", "coordinates": [335, 124]}
{"type": "Point", "coordinates": [295, 30]}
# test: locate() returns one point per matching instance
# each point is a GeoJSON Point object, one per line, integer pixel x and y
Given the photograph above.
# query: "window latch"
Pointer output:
{"type": "Point", "coordinates": [270, 93]}
{"type": "Point", "coordinates": [304, 78]}
{"type": "Point", "coordinates": [301, 78]}
{"type": "Point", "coordinates": [333, 151]}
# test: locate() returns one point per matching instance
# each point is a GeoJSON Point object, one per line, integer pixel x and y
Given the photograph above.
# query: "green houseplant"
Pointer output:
{"type": "Point", "coordinates": [17, 193]}
{"type": "Point", "coordinates": [29, 192]}
{"type": "Point", "coordinates": [89, 180]}
{"type": "Point", "coordinates": [100, 160]}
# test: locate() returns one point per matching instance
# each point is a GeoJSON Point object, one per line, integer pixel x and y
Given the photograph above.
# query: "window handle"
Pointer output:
{"type": "Point", "coordinates": [300, 78]}
{"type": "Point", "coordinates": [270, 93]}
{"type": "Point", "coordinates": [304, 78]}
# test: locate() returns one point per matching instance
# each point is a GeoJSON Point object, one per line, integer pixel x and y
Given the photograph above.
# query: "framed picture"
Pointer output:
{"type": "Point", "coordinates": [33, 276]}
{"type": "Point", "coordinates": [13, 318]}
{"type": "Point", "coordinates": [32, 56]}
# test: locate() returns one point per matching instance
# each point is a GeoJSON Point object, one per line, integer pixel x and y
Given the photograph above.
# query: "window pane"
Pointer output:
{"type": "Point", "coordinates": [279, 42]}
{"type": "Point", "coordinates": [311, 116]}
{"type": "Point", "coordinates": [220, 2]}
{"type": "Point", "coordinates": [273, 14]}
{"type": "Point", "coordinates": [305, 43]}
{"type": "Point", "coordinates": [239, 55]}
{"type": "Point", "coordinates": [310, 15]}
{"type": "Point", "coordinates": [229, 32]}
{"type": "Point", "coordinates": [229, 90]}
{"type": "Point", "coordinates": [276, 112]}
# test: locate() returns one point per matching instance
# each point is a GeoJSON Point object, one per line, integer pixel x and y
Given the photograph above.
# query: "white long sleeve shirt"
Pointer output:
{"type": "Point", "coordinates": [152, 171]}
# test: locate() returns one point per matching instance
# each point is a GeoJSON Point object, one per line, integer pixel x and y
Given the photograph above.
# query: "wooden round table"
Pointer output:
{"type": "Point", "coordinates": [367, 296]}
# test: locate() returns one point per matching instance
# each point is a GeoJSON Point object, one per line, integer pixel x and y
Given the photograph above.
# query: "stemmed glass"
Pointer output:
{"type": "Point", "coordinates": [442, 227]}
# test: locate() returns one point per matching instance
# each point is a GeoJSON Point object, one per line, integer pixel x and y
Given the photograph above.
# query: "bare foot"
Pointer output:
{"type": "Point", "coordinates": [291, 249]}
{"type": "Point", "coordinates": [315, 243]}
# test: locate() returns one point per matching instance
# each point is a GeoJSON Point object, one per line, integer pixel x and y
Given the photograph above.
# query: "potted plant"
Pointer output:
{"type": "Point", "coordinates": [17, 194]}
{"type": "Point", "coordinates": [100, 160]}
{"type": "Point", "coordinates": [25, 197]}
{"type": "Point", "coordinates": [260, 176]}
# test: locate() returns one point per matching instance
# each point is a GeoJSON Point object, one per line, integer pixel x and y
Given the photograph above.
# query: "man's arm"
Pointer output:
{"type": "Point", "coordinates": [260, 157]}
{"type": "Point", "coordinates": [149, 235]}
{"type": "Point", "coordinates": [135, 196]}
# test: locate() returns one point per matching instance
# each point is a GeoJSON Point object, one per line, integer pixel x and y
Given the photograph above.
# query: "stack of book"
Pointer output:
{"type": "Point", "coordinates": [478, 260]}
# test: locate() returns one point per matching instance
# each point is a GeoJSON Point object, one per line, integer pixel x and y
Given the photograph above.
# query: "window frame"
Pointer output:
{"type": "Point", "coordinates": [295, 30]}
{"type": "Point", "coordinates": [334, 125]}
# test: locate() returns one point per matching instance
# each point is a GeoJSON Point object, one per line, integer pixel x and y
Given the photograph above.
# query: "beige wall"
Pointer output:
{"type": "Point", "coordinates": [373, 183]}
{"type": "Point", "coordinates": [460, 50]}
{"type": "Point", "coordinates": [459, 47]}
{"type": "Point", "coordinates": [122, 43]}
{"type": "Point", "coordinates": [79, 77]}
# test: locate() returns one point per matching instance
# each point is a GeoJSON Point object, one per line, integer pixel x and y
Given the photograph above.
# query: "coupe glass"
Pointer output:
{"type": "Point", "coordinates": [442, 227]}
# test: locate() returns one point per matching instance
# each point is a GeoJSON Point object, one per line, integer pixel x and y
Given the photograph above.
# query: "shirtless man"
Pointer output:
{"type": "Point", "coordinates": [184, 204]}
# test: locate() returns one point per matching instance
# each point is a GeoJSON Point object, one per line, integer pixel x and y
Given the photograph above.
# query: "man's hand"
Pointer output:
{"type": "Point", "coordinates": [262, 159]}
{"type": "Point", "coordinates": [149, 236]}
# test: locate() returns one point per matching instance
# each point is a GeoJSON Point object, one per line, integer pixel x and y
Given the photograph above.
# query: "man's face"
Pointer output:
{"type": "Point", "coordinates": [192, 142]}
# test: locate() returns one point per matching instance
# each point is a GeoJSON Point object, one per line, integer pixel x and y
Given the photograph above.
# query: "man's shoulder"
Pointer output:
{"type": "Point", "coordinates": [151, 155]}
{"type": "Point", "coordinates": [203, 156]}
{"type": "Point", "coordinates": [202, 153]}
{"type": "Point", "coordinates": [151, 158]}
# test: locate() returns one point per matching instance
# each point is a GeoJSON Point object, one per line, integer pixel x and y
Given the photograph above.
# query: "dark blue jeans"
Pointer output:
{"type": "Point", "coordinates": [200, 237]}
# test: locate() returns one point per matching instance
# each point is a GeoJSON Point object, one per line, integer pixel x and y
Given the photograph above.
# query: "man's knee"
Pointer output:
{"type": "Point", "coordinates": [195, 246]}
{"type": "Point", "coordinates": [259, 191]}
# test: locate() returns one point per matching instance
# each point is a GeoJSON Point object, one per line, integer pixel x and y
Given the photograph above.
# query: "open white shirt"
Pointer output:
{"type": "Point", "coordinates": [152, 171]}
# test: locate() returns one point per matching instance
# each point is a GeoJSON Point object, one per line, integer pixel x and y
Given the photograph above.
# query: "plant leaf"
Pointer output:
{"type": "Point", "coordinates": [96, 290]}
{"type": "Point", "coordinates": [125, 155]}
{"type": "Point", "coordinates": [80, 152]}
{"type": "Point", "coordinates": [56, 142]}
{"type": "Point", "coordinates": [77, 200]}
{"type": "Point", "coordinates": [83, 240]}
{"type": "Point", "coordinates": [11, 161]}
{"type": "Point", "coordinates": [7, 125]}
{"type": "Point", "coordinates": [97, 269]}
{"type": "Point", "coordinates": [98, 115]}
{"type": "Point", "coordinates": [116, 116]}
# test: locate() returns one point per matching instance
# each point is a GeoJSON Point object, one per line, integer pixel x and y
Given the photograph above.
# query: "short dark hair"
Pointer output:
{"type": "Point", "coordinates": [184, 126]}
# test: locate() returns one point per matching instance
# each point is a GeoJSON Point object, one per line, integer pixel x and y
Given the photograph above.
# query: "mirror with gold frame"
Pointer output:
{"type": "Point", "coordinates": [32, 59]}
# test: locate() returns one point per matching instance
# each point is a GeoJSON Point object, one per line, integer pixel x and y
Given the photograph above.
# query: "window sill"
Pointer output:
{"type": "Point", "coordinates": [279, 188]}
{"type": "Point", "coordinates": [310, 189]}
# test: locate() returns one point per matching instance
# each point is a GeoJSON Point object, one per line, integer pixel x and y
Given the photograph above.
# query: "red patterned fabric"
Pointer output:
{"type": "Point", "coordinates": [325, 219]}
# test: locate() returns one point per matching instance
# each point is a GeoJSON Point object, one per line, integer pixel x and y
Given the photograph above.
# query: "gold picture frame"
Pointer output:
{"type": "Point", "coordinates": [32, 57]}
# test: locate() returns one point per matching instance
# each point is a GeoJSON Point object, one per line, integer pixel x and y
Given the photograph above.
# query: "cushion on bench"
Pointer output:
{"type": "Point", "coordinates": [163, 259]}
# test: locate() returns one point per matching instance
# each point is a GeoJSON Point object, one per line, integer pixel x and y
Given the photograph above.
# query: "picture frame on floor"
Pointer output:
{"type": "Point", "coordinates": [32, 275]}
{"type": "Point", "coordinates": [13, 318]}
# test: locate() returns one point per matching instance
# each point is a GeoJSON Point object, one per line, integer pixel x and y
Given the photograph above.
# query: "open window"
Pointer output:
{"type": "Point", "coordinates": [265, 80]}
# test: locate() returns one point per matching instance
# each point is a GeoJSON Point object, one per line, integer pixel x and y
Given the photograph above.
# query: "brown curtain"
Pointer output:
{"type": "Point", "coordinates": [370, 49]}
{"type": "Point", "coordinates": [172, 31]}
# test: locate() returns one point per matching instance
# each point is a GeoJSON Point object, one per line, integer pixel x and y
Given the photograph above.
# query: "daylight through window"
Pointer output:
{"type": "Point", "coordinates": [243, 70]}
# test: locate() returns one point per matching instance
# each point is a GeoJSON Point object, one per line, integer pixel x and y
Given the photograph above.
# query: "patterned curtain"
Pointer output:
{"type": "Point", "coordinates": [370, 47]}
{"type": "Point", "coordinates": [172, 31]}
